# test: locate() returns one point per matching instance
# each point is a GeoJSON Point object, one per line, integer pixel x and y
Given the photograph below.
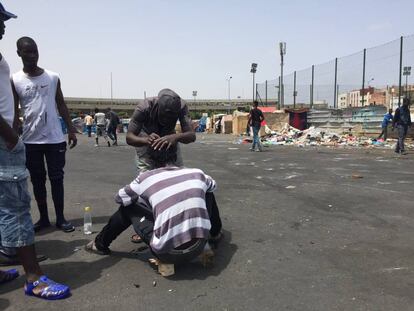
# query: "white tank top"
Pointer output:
{"type": "Point", "coordinates": [6, 94]}
{"type": "Point", "coordinates": [37, 96]}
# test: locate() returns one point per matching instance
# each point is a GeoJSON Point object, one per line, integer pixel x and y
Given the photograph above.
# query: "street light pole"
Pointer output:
{"type": "Point", "coordinates": [228, 88]}
{"type": "Point", "coordinates": [194, 95]}
{"type": "Point", "coordinates": [253, 70]}
{"type": "Point", "coordinates": [282, 48]}
{"type": "Point", "coordinates": [406, 73]}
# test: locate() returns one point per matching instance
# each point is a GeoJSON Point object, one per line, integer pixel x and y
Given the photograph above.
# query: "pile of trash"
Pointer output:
{"type": "Point", "coordinates": [320, 137]}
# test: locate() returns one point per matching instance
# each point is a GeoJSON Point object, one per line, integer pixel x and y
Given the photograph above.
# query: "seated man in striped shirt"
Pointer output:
{"type": "Point", "coordinates": [171, 208]}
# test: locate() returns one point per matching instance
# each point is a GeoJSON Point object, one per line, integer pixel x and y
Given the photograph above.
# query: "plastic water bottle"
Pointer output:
{"type": "Point", "coordinates": [87, 221]}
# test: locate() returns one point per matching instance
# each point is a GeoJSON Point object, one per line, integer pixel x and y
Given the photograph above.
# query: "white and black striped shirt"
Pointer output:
{"type": "Point", "coordinates": [177, 198]}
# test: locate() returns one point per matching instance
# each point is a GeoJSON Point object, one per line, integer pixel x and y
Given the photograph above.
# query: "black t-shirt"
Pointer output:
{"type": "Point", "coordinates": [256, 116]}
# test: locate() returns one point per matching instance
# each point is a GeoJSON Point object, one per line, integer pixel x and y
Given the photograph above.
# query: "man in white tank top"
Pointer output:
{"type": "Point", "coordinates": [40, 96]}
{"type": "Point", "coordinates": [16, 227]}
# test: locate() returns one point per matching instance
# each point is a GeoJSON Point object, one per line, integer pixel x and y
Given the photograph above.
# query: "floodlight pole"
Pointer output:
{"type": "Point", "coordinates": [282, 48]}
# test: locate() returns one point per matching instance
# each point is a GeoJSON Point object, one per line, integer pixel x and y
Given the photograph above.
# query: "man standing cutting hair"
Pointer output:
{"type": "Point", "coordinates": [40, 96]}
{"type": "Point", "coordinates": [153, 125]}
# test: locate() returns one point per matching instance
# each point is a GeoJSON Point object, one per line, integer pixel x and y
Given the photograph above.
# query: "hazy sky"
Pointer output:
{"type": "Point", "coordinates": [193, 45]}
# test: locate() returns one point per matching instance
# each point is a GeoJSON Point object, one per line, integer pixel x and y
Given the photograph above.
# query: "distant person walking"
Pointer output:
{"type": "Point", "coordinates": [384, 125]}
{"type": "Point", "coordinates": [40, 96]}
{"type": "Point", "coordinates": [402, 119]}
{"type": "Point", "coordinates": [255, 120]}
{"type": "Point", "coordinates": [100, 121]}
{"type": "Point", "coordinates": [113, 125]}
{"type": "Point", "coordinates": [88, 122]}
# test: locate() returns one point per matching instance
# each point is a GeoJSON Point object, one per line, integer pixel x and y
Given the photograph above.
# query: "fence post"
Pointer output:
{"type": "Point", "coordinates": [278, 96]}
{"type": "Point", "coordinates": [363, 77]}
{"type": "Point", "coordinates": [266, 93]}
{"type": "Point", "coordinates": [255, 98]}
{"type": "Point", "coordinates": [311, 86]}
{"type": "Point", "coordinates": [336, 84]}
{"type": "Point", "coordinates": [399, 85]}
{"type": "Point", "coordinates": [294, 89]}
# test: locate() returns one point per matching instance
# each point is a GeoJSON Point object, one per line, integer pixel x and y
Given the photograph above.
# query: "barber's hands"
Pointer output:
{"type": "Point", "coordinates": [151, 138]}
{"type": "Point", "coordinates": [164, 142]}
{"type": "Point", "coordinates": [72, 140]}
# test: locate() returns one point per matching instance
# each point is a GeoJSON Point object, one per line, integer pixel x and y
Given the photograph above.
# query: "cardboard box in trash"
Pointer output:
{"type": "Point", "coordinates": [227, 124]}
{"type": "Point", "coordinates": [239, 122]}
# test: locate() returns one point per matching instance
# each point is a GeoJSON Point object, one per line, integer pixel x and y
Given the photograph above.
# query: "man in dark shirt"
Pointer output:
{"type": "Point", "coordinates": [402, 119]}
{"type": "Point", "coordinates": [113, 124]}
{"type": "Point", "coordinates": [255, 120]}
{"type": "Point", "coordinates": [153, 124]}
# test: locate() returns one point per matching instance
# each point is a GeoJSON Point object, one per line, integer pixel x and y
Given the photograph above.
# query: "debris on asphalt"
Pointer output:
{"type": "Point", "coordinates": [137, 285]}
{"type": "Point", "coordinates": [357, 176]}
{"type": "Point", "coordinates": [154, 283]}
{"type": "Point", "coordinates": [290, 187]}
{"type": "Point", "coordinates": [313, 136]}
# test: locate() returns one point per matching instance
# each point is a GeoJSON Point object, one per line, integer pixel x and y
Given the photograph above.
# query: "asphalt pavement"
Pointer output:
{"type": "Point", "coordinates": [305, 229]}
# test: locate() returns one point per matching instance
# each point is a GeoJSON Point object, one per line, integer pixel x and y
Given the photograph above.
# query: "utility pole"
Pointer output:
{"type": "Point", "coordinates": [253, 70]}
{"type": "Point", "coordinates": [406, 73]}
{"type": "Point", "coordinates": [282, 48]}
{"type": "Point", "coordinates": [112, 98]}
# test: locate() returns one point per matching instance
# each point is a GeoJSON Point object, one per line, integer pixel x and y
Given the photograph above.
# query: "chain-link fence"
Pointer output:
{"type": "Point", "coordinates": [373, 76]}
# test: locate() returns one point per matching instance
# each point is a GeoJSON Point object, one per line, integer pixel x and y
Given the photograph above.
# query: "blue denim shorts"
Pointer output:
{"type": "Point", "coordinates": [16, 227]}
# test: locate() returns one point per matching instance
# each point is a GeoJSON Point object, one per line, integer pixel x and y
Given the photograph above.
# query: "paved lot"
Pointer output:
{"type": "Point", "coordinates": [303, 232]}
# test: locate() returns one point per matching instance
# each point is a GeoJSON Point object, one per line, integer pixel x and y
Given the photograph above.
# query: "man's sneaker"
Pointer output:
{"type": "Point", "coordinates": [109, 144]}
{"type": "Point", "coordinates": [96, 145]}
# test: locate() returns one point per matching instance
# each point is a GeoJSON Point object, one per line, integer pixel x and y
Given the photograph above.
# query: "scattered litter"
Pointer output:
{"type": "Point", "coordinates": [77, 249]}
{"type": "Point", "coordinates": [137, 285]}
{"type": "Point", "coordinates": [291, 176]}
{"type": "Point", "coordinates": [322, 137]}
{"type": "Point", "coordinates": [233, 148]}
{"type": "Point", "coordinates": [170, 290]}
{"type": "Point", "coordinates": [259, 177]}
{"type": "Point", "coordinates": [154, 283]}
{"type": "Point", "coordinates": [383, 183]}
{"type": "Point", "coordinates": [357, 176]}
{"type": "Point", "coordinates": [269, 169]}
{"type": "Point", "coordinates": [290, 187]}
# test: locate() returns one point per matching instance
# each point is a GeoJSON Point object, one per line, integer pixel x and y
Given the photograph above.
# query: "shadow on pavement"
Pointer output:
{"type": "Point", "coordinates": [58, 249]}
{"type": "Point", "coordinates": [4, 303]}
{"type": "Point", "coordinates": [195, 271]}
{"type": "Point", "coordinates": [74, 273]}
{"type": "Point", "coordinates": [77, 222]}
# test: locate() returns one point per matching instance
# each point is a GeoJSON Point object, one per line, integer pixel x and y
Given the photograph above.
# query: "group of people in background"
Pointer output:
{"type": "Point", "coordinates": [402, 121]}
{"type": "Point", "coordinates": [106, 125]}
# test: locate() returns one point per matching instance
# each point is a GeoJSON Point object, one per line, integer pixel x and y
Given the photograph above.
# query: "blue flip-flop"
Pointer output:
{"type": "Point", "coordinates": [10, 275]}
{"type": "Point", "coordinates": [52, 291]}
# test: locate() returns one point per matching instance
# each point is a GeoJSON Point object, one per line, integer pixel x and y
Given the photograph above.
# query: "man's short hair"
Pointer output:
{"type": "Point", "coordinates": [255, 103]}
{"type": "Point", "coordinates": [24, 40]}
{"type": "Point", "coordinates": [96, 110]}
{"type": "Point", "coordinates": [163, 157]}
{"type": "Point", "coordinates": [406, 100]}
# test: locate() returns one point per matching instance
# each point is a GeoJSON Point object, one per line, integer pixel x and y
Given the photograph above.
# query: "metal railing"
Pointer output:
{"type": "Point", "coordinates": [373, 76]}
